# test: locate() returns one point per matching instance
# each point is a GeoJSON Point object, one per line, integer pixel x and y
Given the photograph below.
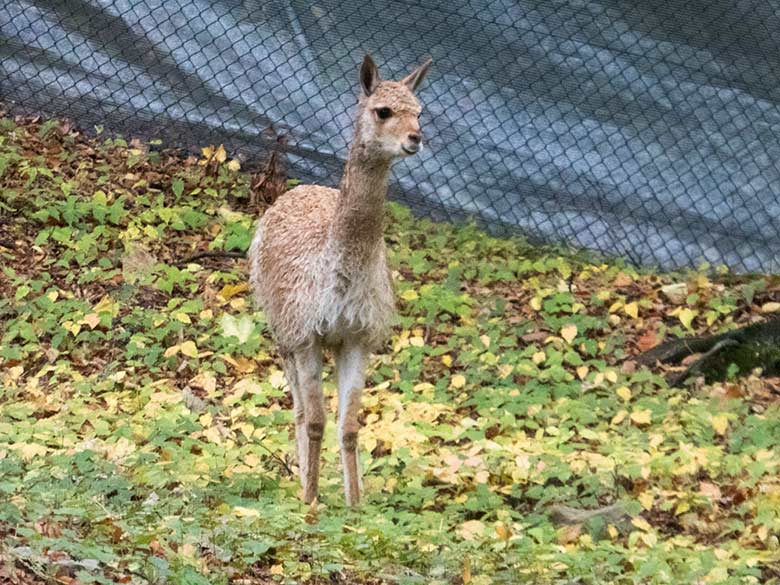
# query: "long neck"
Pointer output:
{"type": "Point", "coordinates": [359, 218]}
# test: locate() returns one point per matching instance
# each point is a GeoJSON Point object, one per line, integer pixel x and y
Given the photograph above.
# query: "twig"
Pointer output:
{"type": "Point", "coordinates": [276, 457]}
{"type": "Point", "coordinates": [211, 254]}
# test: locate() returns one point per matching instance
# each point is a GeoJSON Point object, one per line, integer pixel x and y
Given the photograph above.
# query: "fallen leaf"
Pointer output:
{"type": "Point", "coordinates": [92, 319]}
{"type": "Point", "coordinates": [646, 499]}
{"type": "Point", "coordinates": [243, 512]}
{"type": "Point", "coordinates": [710, 490]}
{"type": "Point", "coordinates": [471, 530]}
{"type": "Point", "coordinates": [189, 349]}
{"type": "Point", "coordinates": [240, 328]}
{"type": "Point", "coordinates": [641, 417]}
{"type": "Point", "coordinates": [569, 332]}
{"type": "Point", "coordinates": [676, 293]}
{"type": "Point", "coordinates": [647, 340]}
{"type": "Point", "coordinates": [686, 317]}
{"type": "Point", "coordinates": [230, 290]}
{"type": "Point", "coordinates": [458, 381]}
{"type": "Point", "coordinates": [772, 307]}
{"type": "Point", "coordinates": [632, 310]}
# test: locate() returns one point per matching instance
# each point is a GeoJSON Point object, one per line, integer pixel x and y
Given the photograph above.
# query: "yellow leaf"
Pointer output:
{"type": "Point", "coordinates": [582, 371]}
{"type": "Point", "coordinates": [234, 165]}
{"type": "Point", "coordinates": [458, 381]}
{"type": "Point", "coordinates": [485, 339]}
{"type": "Point", "coordinates": [213, 435]}
{"type": "Point", "coordinates": [619, 417]}
{"type": "Point", "coordinates": [624, 393]}
{"type": "Point", "coordinates": [410, 295]}
{"type": "Point", "coordinates": [770, 307]}
{"type": "Point", "coordinates": [720, 423]}
{"type": "Point", "coordinates": [682, 508]}
{"type": "Point", "coordinates": [632, 310]}
{"type": "Point", "coordinates": [416, 341]}
{"type": "Point", "coordinates": [183, 317]}
{"type": "Point", "coordinates": [471, 530]}
{"type": "Point", "coordinates": [611, 375]}
{"type": "Point", "coordinates": [569, 332]}
{"type": "Point", "coordinates": [466, 571]}
{"type": "Point", "coordinates": [641, 523]}
{"type": "Point", "coordinates": [641, 417]}
{"type": "Point", "coordinates": [646, 499]}
{"type": "Point", "coordinates": [230, 290]}
{"type": "Point", "coordinates": [30, 450]}
{"type": "Point", "coordinates": [189, 349]}
{"type": "Point", "coordinates": [446, 359]}
{"type": "Point", "coordinates": [207, 151]}
{"type": "Point", "coordinates": [538, 357]}
{"type": "Point", "coordinates": [173, 350]}
{"type": "Point", "coordinates": [220, 155]}
{"type": "Point", "coordinates": [536, 304]}
{"type": "Point", "coordinates": [106, 305]}
{"type": "Point", "coordinates": [686, 316]}
{"type": "Point", "coordinates": [277, 570]}
{"type": "Point", "coordinates": [613, 532]}
{"type": "Point", "coordinates": [243, 512]}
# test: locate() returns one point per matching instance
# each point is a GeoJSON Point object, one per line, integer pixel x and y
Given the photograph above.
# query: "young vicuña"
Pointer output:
{"type": "Point", "coordinates": [319, 270]}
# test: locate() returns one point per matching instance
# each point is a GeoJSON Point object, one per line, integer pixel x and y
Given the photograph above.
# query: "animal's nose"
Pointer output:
{"type": "Point", "coordinates": [415, 138]}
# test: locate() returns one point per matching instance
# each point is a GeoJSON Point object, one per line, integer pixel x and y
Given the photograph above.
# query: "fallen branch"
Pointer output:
{"type": "Point", "coordinates": [747, 348]}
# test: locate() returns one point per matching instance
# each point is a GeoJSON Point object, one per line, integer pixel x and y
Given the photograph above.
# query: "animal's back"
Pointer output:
{"type": "Point", "coordinates": [288, 258]}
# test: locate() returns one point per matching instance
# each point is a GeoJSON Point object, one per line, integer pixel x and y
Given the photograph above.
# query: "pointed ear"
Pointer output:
{"type": "Point", "coordinates": [414, 79]}
{"type": "Point", "coordinates": [369, 75]}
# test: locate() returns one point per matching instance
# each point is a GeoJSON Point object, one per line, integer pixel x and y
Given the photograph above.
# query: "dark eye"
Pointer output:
{"type": "Point", "coordinates": [383, 113]}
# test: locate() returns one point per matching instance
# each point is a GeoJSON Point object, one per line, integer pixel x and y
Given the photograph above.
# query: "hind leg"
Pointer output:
{"type": "Point", "coordinates": [308, 371]}
{"type": "Point", "coordinates": [301, 438]}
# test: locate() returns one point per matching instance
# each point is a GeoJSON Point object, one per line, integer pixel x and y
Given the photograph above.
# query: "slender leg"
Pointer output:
{"type": "Point", "coordinates": [308, 365]}
{"type": "Point", "coordinates": [350, 361]}
{"type": "Point", "coordinates": [301, 438]}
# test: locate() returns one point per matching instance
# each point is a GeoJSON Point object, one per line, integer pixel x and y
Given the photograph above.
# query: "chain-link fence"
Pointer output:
{"type": "Point", "coordinates": [647, 130]}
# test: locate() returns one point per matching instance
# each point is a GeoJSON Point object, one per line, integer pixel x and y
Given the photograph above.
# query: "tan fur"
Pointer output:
{"type": "Point", "coordinates": [318, 266]}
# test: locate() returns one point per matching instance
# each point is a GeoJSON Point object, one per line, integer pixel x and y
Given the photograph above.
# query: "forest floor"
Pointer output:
{"type": "Point", "coordinates": [145, 429]}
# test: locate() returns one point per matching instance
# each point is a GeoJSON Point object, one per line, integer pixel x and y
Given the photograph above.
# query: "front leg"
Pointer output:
{"type": "Point", "coordinates": [350, 362]}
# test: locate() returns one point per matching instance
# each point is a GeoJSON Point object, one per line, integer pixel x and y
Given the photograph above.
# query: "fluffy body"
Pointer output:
{"type": "Point", "coordinates": [318, 267]}
{"type": "Point", "coordinates": [312, 288]}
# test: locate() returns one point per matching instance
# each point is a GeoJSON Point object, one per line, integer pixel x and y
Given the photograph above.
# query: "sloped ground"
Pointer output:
{"type": "Point", "coordinates": [145, 433]}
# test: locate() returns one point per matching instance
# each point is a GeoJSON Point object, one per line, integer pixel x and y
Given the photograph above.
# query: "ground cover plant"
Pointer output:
{"type": "Point", "coordinates": [145, 431]}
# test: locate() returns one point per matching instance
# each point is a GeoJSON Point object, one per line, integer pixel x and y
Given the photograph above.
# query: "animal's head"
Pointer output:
{"type": "Point", "coordinates": [388, 123]}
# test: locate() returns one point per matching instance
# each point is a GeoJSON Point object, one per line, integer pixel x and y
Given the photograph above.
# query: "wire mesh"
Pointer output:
{"type": "Point", "coordinates": [645, 130]}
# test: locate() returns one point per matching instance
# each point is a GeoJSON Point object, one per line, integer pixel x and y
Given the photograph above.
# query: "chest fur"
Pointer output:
{"type": "Point", "coordinates": [358, 299]}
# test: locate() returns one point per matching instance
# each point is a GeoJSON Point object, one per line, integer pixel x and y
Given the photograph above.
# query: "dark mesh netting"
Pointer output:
{"type": "Point", "coordinates": [645, 130]}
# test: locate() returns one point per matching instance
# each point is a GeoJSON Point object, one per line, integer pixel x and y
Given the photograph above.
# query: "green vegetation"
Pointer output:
{"type": "Point", "coordinates": [145, 431]}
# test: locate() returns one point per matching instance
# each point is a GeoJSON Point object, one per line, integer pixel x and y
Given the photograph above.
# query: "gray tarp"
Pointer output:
{"type": "Point", "coordinates": [649, 130]}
